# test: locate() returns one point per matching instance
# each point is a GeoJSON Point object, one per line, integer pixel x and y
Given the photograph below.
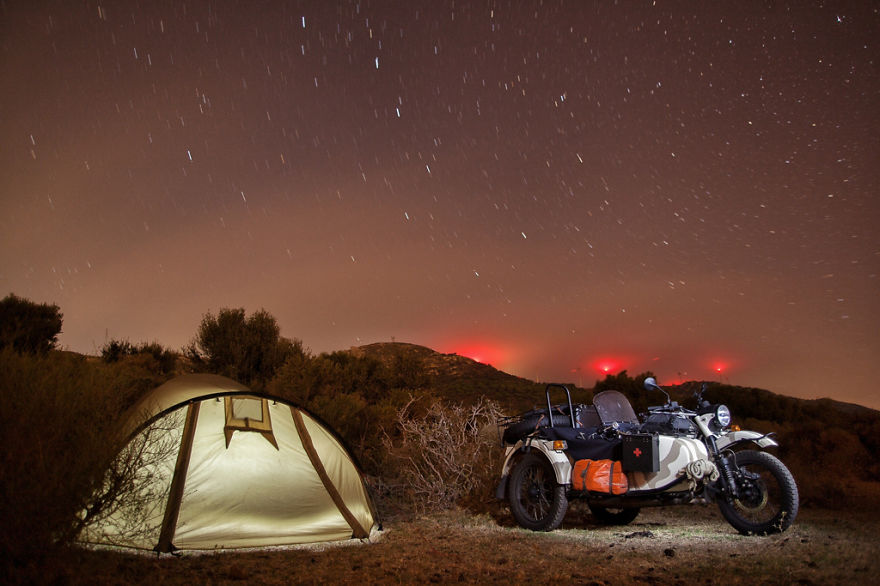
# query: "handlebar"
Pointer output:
{"type": "Point", "coordinates": [670, 407]}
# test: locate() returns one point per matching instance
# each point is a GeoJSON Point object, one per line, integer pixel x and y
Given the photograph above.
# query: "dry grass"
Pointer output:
{"type": "Point", "coordinates": [684, 545]}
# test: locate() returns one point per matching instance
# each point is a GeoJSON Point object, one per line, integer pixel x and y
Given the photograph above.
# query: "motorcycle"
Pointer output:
{"type": "Point", "coordinates": [604, 454]}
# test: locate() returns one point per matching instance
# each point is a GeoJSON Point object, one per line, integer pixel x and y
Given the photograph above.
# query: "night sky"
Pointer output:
{"type": "Point", "coordinates": [555, 188]}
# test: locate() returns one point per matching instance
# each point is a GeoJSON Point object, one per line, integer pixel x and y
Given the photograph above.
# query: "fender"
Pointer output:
{"type": "Point", "coordinates": [558, 459]}
{"type": "Point", "coordinates": [734, 438]}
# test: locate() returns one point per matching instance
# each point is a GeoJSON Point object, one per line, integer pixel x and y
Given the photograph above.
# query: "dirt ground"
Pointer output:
{"type": "Point", "coordinates": [679, 545]}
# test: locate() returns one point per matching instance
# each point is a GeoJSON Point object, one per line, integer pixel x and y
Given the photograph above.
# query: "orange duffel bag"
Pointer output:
{"type": "Point", "coordinates": [599, 476]}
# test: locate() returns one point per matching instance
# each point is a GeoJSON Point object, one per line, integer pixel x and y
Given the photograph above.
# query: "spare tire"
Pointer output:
{"type": "Point", "coordinates": [530, 423]}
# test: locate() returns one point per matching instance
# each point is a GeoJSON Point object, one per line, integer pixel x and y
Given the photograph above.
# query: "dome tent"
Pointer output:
{"type": "Point", "coordinates": [222, 467]}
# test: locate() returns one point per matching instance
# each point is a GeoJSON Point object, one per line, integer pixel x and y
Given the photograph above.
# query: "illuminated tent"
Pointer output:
{"type": "Point", "coordinates": [222, 467]}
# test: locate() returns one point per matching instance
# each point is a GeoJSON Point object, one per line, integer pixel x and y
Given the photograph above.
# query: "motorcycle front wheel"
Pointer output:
{"type": "Point", "coordinates": [767, 500]}
{"type": "Point", "coordinates": [537, 501]}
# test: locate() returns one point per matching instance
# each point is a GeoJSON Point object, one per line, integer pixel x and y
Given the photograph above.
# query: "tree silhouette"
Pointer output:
{"type": "Point", "coordinates": [247, 349]}
{"type": "Point", "coordinates": [28, 327]}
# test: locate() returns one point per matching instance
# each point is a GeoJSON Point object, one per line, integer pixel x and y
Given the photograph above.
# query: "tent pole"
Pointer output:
{"type": "Point", "coordinates": [175, 494]}
{"type": "Point", "coordinates": [306, 439]}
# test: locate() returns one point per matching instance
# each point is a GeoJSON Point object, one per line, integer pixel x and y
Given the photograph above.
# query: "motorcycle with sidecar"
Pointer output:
{"type": "Point", "coordinates": [604, 454]}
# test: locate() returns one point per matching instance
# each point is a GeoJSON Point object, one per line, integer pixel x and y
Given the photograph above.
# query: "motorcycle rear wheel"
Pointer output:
{"type": "Point", "coordinates": [768, 496]}
{"type": "Point", "coordinates": [537, 501]}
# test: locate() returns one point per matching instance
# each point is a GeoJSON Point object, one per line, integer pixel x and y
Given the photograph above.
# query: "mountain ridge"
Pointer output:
{"type": "Point", "coordinates": [457, 377]}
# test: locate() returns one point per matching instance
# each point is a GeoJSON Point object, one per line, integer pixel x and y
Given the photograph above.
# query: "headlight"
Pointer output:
{"type": "Point", "coordinates": [722, 415]}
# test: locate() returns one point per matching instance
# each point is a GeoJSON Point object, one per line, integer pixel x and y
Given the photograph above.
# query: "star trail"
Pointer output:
{"type": "Point", "coordinates": [560, 189]}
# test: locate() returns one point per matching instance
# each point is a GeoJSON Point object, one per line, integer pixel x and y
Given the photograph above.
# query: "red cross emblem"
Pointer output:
{"type": "Point", "coordinates": [637, 452]}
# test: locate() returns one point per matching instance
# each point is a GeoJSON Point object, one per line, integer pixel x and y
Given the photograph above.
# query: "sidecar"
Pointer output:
{"type": "Point", "coordinates": [595, 452]}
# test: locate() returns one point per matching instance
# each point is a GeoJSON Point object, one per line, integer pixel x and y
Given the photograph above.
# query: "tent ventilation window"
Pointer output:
{"type": "Point", "coordinates": [248, 414]}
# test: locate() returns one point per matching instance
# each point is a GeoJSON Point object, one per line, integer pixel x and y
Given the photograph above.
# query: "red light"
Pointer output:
{"type": "Point", "coordinates": [607, 365]}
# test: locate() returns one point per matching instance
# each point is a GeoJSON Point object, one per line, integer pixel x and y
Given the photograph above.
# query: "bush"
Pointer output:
{"type": "Point", "coordinates": [247, 349]}
{"type": "Point", "coordinates": [827, 463]}
{"type": "Point", "coordinates": [57, 427]}
{"type": "Point", "coordinates": [29, 327]}
{"type": "Point", "coordinates": [448, 456]}
{"type": "Point", "coordinates": [116, 350]}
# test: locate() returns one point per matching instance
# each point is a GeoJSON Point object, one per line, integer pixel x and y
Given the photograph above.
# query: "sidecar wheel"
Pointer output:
{"type": "Point", "coordinates": [537, 501]}
{"type": "Point", "coordinates": [768, 495]}
{"type": "Point", "coordinates": [608, 516]}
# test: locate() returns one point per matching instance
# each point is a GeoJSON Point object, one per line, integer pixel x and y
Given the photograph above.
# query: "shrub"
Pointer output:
{"type": "Point", "coordinates": [57, 427]}
{"type": "Point", "coordinates": [247, 349]}
{"type": "Point", "coordinates": [446, 457]}
{"type": "Point", "coordinates": [29, 327]}
{"type": "Point", "coordinates": [827, 463]}
{"type": "Point", "coordinates": [115, 350]}
{"type": "Point", "coordinates": [165, 361]}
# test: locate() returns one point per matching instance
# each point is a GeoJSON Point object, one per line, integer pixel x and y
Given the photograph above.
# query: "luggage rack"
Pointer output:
{"type": "Point", "coordinates": [512, 428]}
{"type": "Point", "coordinates": [505, 422]}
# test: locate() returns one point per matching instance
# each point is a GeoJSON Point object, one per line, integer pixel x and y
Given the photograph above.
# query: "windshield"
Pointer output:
{"type": "Point", "coordinates": [614, 406]}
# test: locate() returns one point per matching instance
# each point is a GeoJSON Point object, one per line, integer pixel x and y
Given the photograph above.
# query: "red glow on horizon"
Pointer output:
{"type": "Point", "coordinates": [483, 353]}
{"type": "Point", "coordinates": [608, 365]}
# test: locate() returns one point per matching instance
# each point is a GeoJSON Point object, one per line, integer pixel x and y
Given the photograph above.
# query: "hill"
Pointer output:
{"type": "Point", "coordinates": [460, 379]}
